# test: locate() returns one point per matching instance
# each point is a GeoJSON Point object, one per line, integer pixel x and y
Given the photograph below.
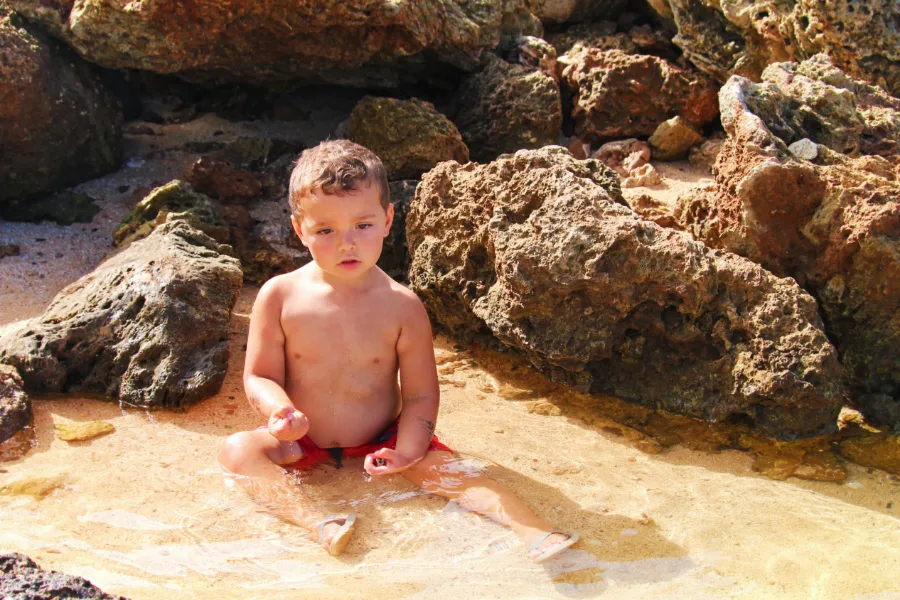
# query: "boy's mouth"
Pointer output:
{"type": "Point", "coordinates": [349, 262]}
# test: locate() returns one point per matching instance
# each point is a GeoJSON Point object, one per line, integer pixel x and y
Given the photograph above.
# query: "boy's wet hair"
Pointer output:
{"type": "Point", "coordinates": [337, 167]}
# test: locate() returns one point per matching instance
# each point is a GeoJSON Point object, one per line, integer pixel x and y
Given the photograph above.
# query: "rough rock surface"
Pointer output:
{"type": "Point", "coordinates": [742, 38]}
{"type": "Point", "coordinates": [673, 139]}
{"type": "Point", "coordinates": [23, 579]}
{"type": "Point", "coordinates": [503, 108]}
{"type": "Point", "coordinates": [149, 326]}
{"type": "Point", "coordinates": [58, 125]}
{"type": "Point", "coordinates": [832, 224]}
{"type": "Point", "coordinates": [619, 95]}
{"type": "Point", "coordinates": [355, 42]}
{"type": "Point", "coordinates": [394, 259]}
{"type": "Point", "coordinates": [537, 250]}
{"type": "Point", "coordinates": [552, 12]}
{"type": "Point", "coordinates": [410, 136]}
{"type": "Point", "coordinates": [15, 405]}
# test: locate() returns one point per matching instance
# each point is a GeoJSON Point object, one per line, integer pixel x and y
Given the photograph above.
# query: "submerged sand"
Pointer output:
{"type": "Point", "coordinates": [146, 512]}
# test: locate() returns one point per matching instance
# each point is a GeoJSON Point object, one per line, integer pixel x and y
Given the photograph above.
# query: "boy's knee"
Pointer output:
{"type": "Point", "coordinates": [237, 451]}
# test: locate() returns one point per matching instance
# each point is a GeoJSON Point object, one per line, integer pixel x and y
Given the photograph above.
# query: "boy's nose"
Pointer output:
{"type": "Point", "coordinates": [348, 241]}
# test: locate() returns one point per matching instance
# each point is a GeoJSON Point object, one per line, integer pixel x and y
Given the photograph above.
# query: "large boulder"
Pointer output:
{"type": "Point", "coordinates": [620, 95]}
{"type": "Point", "coordinates": [787, 197]}
{"type": "Point", "coordinates": [505, 107]}
{"type": "Point", "coordinates": [23, 579]}
{"type": "Point", "coordinates": [355, 42]}
{"type": "Point", "coordinates": [15, 405]}
{"type": "Point", "coordinates": [409, 136]}
{"type": "Point", "coordinates": [149, 326]}
{"type": "Point", "coordinates": [58, 125]}
{"type": "Point", "coordinates": [728, 38]}
{"type": "Point", "coordinates": [538, 250]}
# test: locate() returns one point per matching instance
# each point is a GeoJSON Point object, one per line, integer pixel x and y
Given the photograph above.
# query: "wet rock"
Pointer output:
{"type": "Point", "coordinates": [877, 449]}
{"type": "Point", "coordinates": [409, 136]}
{"type": "Point", "coordinates": [537, 250]}
{"type": "Point", "coordinates": [217, 178]}
{"type": "Point", "coordinates": [833, 224]}
{"type": "Point", "coordinates": [362, 44]}
{"type": "Point", "coordinates": [23, 579]}
{"type": "Point", "coordinates": [79, 432]}
{"type": "Point", "coordinates": [620, 95]}
{"type": "Point", "coordinates": [60, 126]}
{"type": "Point", "coordinates": [64, 208]}
{"type": "Point", "coordinates": [673, 139]}
{"type": "Point", "coordinates": [36, 487]}
{"type": "Point", "coordinates": [723, 40]}
{"type": "Point", "coordinates": [503, 108]}
{"type": "Point", "coordinates": [394, 259]}
{"type": "Point", "coordinates": [149, 326]}
{"type": "Point", "coordinates": [15, 405]}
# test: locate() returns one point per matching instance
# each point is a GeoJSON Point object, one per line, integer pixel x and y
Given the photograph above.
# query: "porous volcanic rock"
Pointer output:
{"type": "Point", "coordinates": [504, 107]}
{"type": "Point", "coordinates": [833, 224]}
{"type": "Point", "coordinates": [58, 125]}
{"type": "Point", "coordinates": [619, 95]}
{"type": "Point", "coordinates": [537, 250]}
{"type": "Point", "coordinates": [354, 42]}
{"type": "Point", "coordinates": [15, 405]}
{"type": "Point", "coordinates": [409, 136]}
{"type": "Point", "coordinates": [724, 39]}
{"type": "Point", "coordinates": [149, 326]}
{"type": "Point", "coordinates": [23, 579]}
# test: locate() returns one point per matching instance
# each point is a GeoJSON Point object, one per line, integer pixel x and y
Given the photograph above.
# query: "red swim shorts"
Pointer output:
{"type": "Point", "coordinates": [314, 456]}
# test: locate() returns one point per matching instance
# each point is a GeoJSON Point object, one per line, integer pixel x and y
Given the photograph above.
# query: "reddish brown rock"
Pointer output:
{"type": "Point", "coordinates": [537, 250]}
{"type": "Point", "coordinates": [353, 42]}
{"type": "Point", "coordinates": [218, 178]}
{"type": "Point", "coordinates": [619, 95]}
{"type": "Point", "coordinates": [833, 224]}
{"type": "Point", "coordinates": [15, 405]}
{"type": "Point", "coordinates": [58, 125]}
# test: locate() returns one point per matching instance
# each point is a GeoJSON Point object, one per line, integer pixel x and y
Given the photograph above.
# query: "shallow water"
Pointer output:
{"type": "Point", "coordinates": [147, 513]}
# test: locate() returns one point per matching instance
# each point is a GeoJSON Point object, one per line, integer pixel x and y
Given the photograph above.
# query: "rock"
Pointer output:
{"type": "Point", "coordinates": [64, 208]}
{"type": "Point", "coordinates": [394, 259]}
{"type": "Point", "coordinates": [555, 12]}
{"type": "Point", "coordinates": [643, 175]}
{"type": "Point", "coordinates": [149, 326]}
{"type": "Point", "coordinates": [878, 450]}
{"type": "Point", "coordinates": [651, 209]}
{"type": "Point", "coordinates": [620, 95]}
{"type": "Point", "coordinates": [623, 156]}
{"type": "Point", "coordinates": [535, 53]}
{"type": "Point", "coordinates": [505, 107]}
{"type": "Point", "coordinates": [36, 487]}
{"type": "Point", "coordinates": [23, 579]}
{"type": "Point", "coordinates": [9, 250]}
{"type": "Point", "coordinates": [60, 126]}
{"type": "Point", "coordinates": [15, 405]}
{"type": "Point", "coordinates": [409, 136]}
{"type": "Point", "coordinates": [217, 178]}
{"type": "Point", "coordinates": [601, 35]}
{"type": "Point", "coordinates": [833, 224]}
{"type": "Point", "coordinates": [725, 39]}
{"type": "Point", "coordinates": [537, 250]}
{"type": "Point", "coordinates": [79, 432]}
{"type": "Point", "coordinates": [361, 44]}
{"type": "Point", "coordinates": [706, 153]}
{"type": "Point", "coordinates": [805, 149]}
{"type": "Point", "coordinates": [673, 139]}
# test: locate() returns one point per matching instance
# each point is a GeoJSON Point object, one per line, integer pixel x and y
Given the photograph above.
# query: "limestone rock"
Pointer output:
{"type": "Point", "coordinates": [356, 42]}
{"type": "Point", "coordinates": [15, 405]}
{"type": "Point", "coordinates": [673, 139]}
{"type": "Point", "coordinates": [742, 38]}
{"type": "Point", "coordinates": [58, 125]}
{"type": "Point", "coordinates": [409, 136]}
{"type": "Point", "coordinates": [643, 175]}
{"type": "Point", "coordinates": [23, 579]}
{"type": "Point", "coordinates": [833, 224]}
{"type": "Point", "coordinates": [503, 108]}
{"type": "Point", "coordinates": [618, 95]}
{"type": "Point", "coordinates": [149, 326]}
{"type": "Point", "coordinates": [536, 250]}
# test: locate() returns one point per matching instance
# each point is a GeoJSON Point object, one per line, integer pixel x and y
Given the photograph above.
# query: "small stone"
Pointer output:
{"type": "Point", "coordinates": [36, 487]}
{"type": "Point", "coordinates": [542, 407]}
{"type": "Point", "coordinates": [642, 176]}
{"type": "Point", "coordinates": [76, 432]}
{"type": "Point", "coordinates": [673, 139]}
{"type": "Point", "coordinates": [805, 149]}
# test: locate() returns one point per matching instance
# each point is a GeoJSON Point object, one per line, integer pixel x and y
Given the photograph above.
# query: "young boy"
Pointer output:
{"type": "Point", "coordinates": [325, 346]}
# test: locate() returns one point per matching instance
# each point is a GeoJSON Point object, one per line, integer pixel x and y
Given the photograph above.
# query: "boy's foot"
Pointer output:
{"type": "Point", "coordinates": [334, 533]}
{"type": "Point", "coordinates": [550, 544]}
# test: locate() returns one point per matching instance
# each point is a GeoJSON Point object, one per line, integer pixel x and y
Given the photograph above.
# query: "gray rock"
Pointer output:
{"type": "Point", "coordinates": [15, 405]}
{"type": "Point", "coordinates": [23, 579]}
{"type": "Point", "coordinates": [805, 149]}
{"type": "Point", "coordinates": [536, 250]}
{"type": "Point", "coordinates": [148, 327]}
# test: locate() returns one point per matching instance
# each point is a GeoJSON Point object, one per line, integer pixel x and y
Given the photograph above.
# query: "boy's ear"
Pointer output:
{"type": "Point", "coordinates": [295, 223]}
{"type": "Point", "coordinates": [389, 219]}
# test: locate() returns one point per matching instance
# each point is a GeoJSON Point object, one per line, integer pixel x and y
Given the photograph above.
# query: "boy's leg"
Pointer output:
{"type": "Point", "coordinates": [257, 455]}
{"type": "Point", "coordinates": [484, 496]}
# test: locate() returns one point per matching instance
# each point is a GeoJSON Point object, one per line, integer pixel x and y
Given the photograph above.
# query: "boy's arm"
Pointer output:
{"type": "Point", "coordinates": [264, 369]}
{"type": "Point", "coordinates": [420, 391]}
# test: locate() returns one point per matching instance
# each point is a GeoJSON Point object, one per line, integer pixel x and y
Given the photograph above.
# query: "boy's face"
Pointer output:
{"type": "Point", "coordinates": [344, 233]}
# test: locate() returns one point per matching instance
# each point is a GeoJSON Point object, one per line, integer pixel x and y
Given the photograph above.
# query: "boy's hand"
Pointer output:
{"type": "Point", "coordinates": [387, 461]}
{"type": "Point", "coordinates": [287, 424]}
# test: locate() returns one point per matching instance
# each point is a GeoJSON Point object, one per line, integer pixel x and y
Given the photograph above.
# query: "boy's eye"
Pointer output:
{"type": "Point", "coordinates": [364, 225]}
{"type": "Point", "coordinates": [324, 231]}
